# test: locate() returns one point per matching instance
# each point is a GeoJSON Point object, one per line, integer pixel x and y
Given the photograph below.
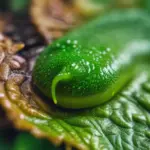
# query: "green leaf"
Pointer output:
{"type": "Point", "coordinates": [25, 141]}
{"type": "Point", "coordinates": [19, 5]}
{"type": "Point", "coordinates": [122, 123]}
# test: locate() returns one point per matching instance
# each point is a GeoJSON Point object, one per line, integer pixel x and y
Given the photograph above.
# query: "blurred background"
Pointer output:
{"type": "Point", "coordinates": [14, 5]}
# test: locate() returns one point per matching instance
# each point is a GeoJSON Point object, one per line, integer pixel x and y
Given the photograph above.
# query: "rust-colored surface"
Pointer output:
{"type": "Point", "coordinates": [53, 18]}
{"type": "Point", "coordinates": [13, 77]}
{"type": "Point", "coordinates": [16, 94]}
{"type": "Point", "coordinates": [2, 22]}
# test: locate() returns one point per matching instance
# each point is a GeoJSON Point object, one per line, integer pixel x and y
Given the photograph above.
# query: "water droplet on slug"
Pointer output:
{"type": "Point", "coordinates": [68, 41]}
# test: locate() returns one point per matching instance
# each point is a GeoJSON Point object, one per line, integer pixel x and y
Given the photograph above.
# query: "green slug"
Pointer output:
{"type": "Point", "coordinates": [90, 65]}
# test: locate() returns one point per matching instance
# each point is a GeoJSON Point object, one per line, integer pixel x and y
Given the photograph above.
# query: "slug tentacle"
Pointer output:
{"type": "Point", "coordinates": [61, 77]}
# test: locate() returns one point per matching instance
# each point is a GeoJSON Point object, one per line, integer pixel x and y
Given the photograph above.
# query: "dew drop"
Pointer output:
{"type": "Point", "coordinates": [68, 41]}
{"type": "Point", "coordinates": [75, 42]}
{"type": "Point", "coordinates": [73, 64]}
{"type": "Point", "coordinates": [79, 88]}
{"type": "Point", "coordinates": [104, 53]}
{"type": "Point", "coordinates": [87, 63]}
{"type": "Point", "coordinates": [108, 49]}
{"type": "Point", "coordinates": [76, 67]}
{"type": "Point", "coordinates": [58, 45]}
{"type": "Point", "coordinates": [74, 46]}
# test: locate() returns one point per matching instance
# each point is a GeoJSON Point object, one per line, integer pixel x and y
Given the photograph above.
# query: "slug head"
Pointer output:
{"type": "Point", "coordinates": [67, 72]}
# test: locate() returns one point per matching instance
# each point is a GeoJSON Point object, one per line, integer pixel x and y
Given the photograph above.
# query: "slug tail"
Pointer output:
{"type": "Point", "coordinates": [60, 77]}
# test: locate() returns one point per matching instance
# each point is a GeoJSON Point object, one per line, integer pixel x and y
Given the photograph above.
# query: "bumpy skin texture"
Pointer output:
{"type": "Point", "coordinates": [88, 66]}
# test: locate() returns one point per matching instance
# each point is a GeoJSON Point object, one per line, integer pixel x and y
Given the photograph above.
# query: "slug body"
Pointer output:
{"type": "Point", "coordinates": [90, 65]}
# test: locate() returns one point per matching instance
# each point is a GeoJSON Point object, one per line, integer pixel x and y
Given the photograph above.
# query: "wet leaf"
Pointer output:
{"type": "Point", "coordinates": [122, 123]}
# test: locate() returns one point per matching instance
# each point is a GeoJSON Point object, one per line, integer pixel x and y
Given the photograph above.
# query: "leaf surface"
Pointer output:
{"type": "Point", "coordinates": [122, 123]}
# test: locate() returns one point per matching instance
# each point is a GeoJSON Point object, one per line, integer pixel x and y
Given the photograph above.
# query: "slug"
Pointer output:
{"type": "Point", "coordinates": [89, 65]}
